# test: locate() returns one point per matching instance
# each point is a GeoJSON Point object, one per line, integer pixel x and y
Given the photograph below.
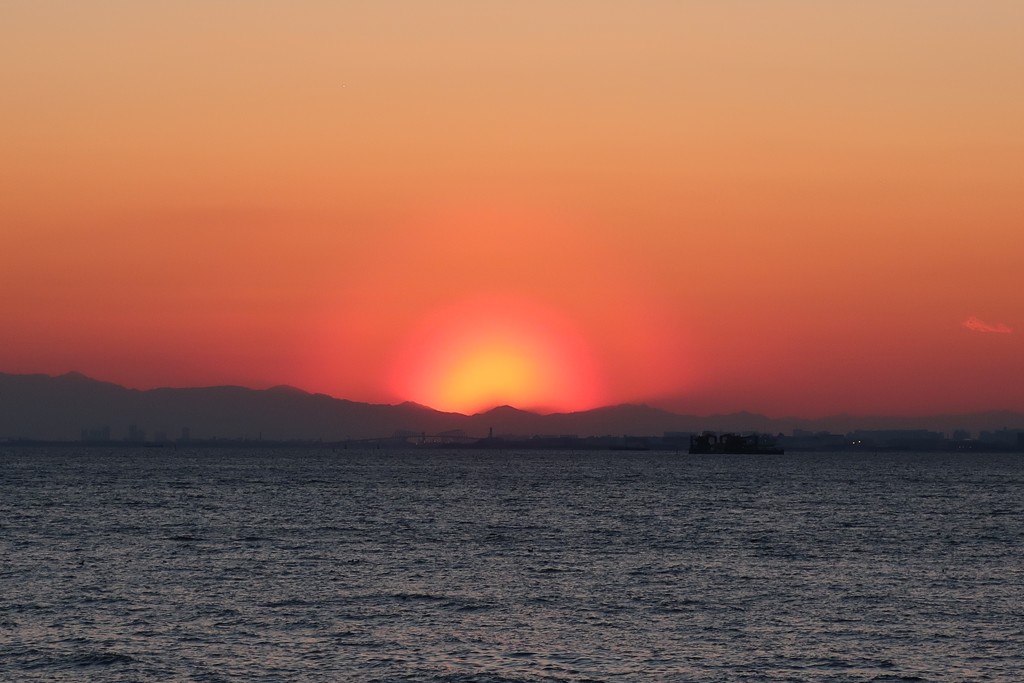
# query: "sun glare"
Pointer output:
{"type": "Point", "coordinates": [484, 353]}
{"type": "Point", "coordinates": [489, 376]}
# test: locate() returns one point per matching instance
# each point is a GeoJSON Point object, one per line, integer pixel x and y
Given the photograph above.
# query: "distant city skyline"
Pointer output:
{"type": "Point", "coordinates": [790, 208]}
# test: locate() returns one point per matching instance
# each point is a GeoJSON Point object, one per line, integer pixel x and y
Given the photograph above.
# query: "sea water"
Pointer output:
{"type": "Point", "coordinates": [460, 566]}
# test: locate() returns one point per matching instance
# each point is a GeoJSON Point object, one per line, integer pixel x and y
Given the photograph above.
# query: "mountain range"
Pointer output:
{"type": "Point", "coordinates": [60, 408]}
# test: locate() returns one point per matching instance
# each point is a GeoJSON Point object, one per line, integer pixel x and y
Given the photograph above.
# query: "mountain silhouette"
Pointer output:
{"type": "Point", "coordinates": [60, 408]}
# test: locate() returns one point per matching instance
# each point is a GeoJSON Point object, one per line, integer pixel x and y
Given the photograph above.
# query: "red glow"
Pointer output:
{"type": "Point", "coordinates": [491, 351]}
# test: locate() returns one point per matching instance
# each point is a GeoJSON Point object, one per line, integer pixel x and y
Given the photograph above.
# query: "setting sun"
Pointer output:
{"type": "Point", "coordinates": [491, 376]}
{"type": "Point", "coordinates": [494, 351]}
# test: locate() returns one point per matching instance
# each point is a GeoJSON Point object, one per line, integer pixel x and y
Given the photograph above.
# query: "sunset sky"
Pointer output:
{"type": "Point", "coordinates": [789, 207]}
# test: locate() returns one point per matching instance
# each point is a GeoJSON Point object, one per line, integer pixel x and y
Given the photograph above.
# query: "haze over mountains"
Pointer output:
{"type": "Point", "coordinates": [59, 408]}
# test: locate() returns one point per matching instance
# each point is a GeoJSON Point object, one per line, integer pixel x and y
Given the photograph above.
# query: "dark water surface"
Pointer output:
{"type": "Point", "coordinates": [161, 565]}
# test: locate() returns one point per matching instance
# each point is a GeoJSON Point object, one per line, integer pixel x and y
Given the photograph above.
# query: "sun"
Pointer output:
{"type": "Point", "coordinates": [492, 374]}
{"type": "Point", "coordinates": [491, 351]}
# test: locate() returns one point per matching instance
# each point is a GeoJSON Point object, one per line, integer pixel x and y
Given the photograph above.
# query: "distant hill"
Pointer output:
{"type": "Point", "coordinates": [43, 407]}
{"type": "Point", "coordinates": [59, 408]}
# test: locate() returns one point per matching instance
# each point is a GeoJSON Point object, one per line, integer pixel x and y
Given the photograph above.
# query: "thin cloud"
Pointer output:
{"type": "Point", "coordinates": [975, 324]}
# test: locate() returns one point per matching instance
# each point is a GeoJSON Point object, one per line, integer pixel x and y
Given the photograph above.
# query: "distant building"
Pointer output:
{"type": "Point", "coordinates": [98, 434]}
{"type": "Point", "coordinates": [135, 434]}
{"type": "Point", "coordinates": [1001, 436]}
{"type": "Point", "coordinates": [806, 440]}
{"type": "Point", "coordinates": [919, 439]}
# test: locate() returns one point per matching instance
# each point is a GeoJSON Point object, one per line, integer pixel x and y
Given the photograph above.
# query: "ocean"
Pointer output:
{"type": "Point", "coordinates": [507, 567]}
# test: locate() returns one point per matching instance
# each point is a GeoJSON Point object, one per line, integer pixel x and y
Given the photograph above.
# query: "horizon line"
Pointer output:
{"type": "Point", "coordinates": [535, 412]}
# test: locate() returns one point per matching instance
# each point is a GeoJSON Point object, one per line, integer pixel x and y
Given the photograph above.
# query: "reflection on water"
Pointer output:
{"type": "Point", "coordinates": [486, 566]}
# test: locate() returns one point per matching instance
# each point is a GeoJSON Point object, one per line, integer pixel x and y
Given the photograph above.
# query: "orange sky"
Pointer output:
{"type": "Point", "coordinates": [786, 207]}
